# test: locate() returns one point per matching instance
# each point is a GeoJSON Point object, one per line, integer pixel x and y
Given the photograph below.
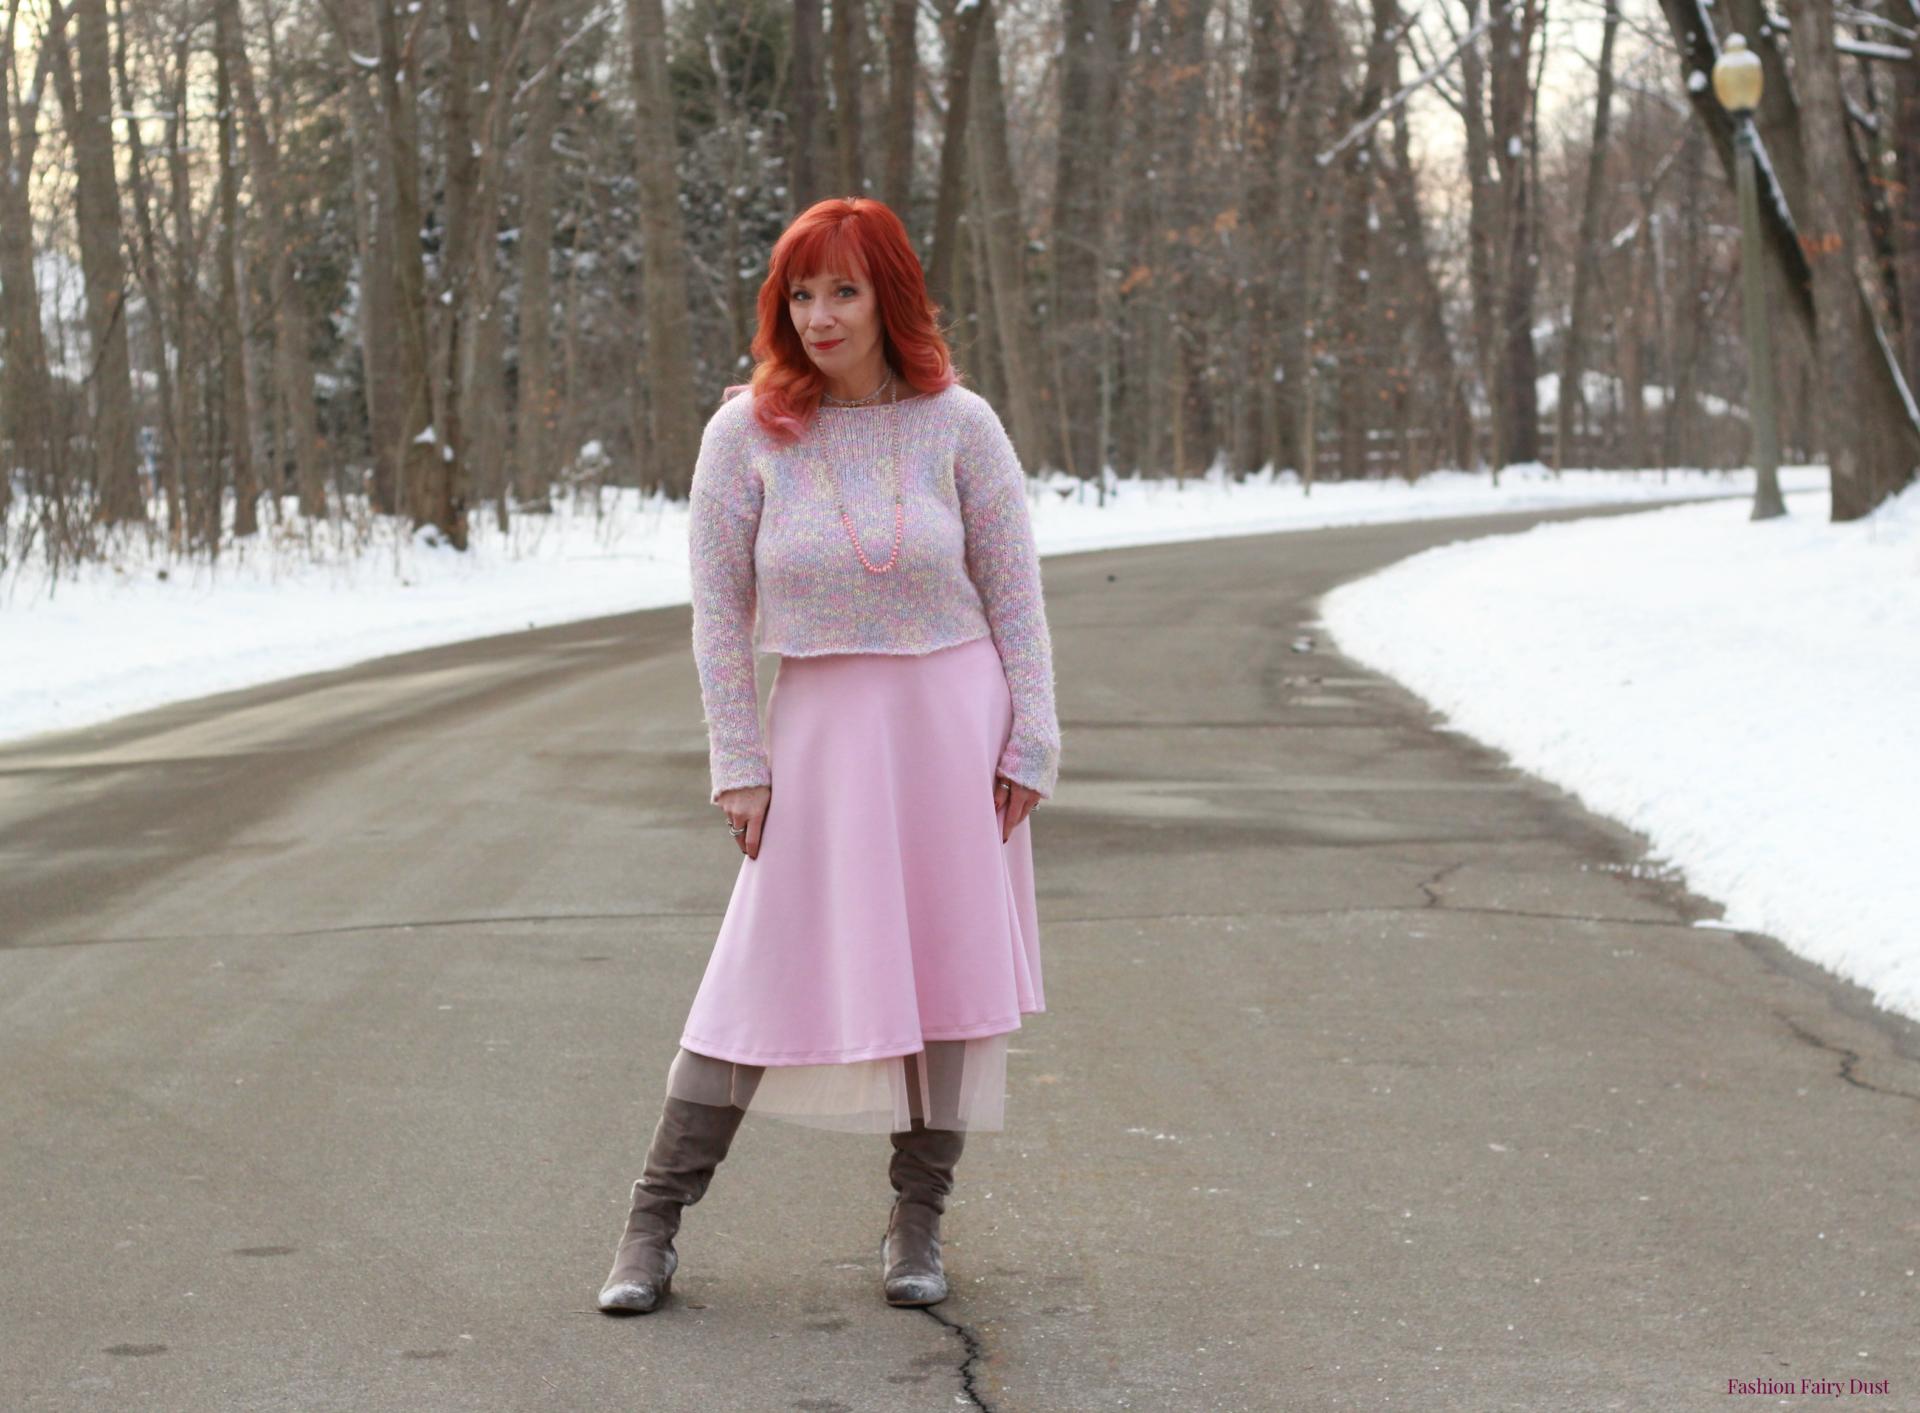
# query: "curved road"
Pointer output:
{"type": "Point", "coordinates": [334, 1017]}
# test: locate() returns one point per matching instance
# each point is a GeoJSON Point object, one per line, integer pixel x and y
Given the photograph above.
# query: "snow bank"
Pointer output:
{"type": "Point", "coordinates": [1746, 695]}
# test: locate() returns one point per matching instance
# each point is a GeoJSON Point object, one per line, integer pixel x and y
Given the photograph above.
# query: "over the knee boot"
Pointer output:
{"type": "Point", "coordinates": [922, 1176]}
{"type": "Point", "coordinates": [688, 1144]}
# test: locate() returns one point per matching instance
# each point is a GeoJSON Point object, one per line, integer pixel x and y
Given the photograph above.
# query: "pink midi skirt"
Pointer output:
{"type": "Point", "coordinates": [876, 956]}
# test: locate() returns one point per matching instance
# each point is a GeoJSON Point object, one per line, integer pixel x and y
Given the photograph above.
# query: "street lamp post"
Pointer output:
{"type": "Point", "coordinates": [1737, 81]}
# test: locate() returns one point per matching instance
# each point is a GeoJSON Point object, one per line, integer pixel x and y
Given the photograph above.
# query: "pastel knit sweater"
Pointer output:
{"type": "Point", "coordinates": [772, 566]}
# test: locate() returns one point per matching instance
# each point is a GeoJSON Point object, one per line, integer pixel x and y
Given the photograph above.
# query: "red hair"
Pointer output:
{"type": "Point", "coordinates": [843, 235]}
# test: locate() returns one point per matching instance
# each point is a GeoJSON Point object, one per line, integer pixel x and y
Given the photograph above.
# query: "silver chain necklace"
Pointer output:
{"type": "Point", "coordinates": [885, 383]}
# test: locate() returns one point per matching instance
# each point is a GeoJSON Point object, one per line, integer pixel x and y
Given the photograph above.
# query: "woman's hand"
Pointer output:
{"type": "Point", "coordinates": [748, 806]}
{"type": "Point", "coordinates": [1013, 802]}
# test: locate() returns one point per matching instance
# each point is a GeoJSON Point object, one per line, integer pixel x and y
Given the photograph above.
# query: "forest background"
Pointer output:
{"type": "Point", "coordinates": [273, 264]}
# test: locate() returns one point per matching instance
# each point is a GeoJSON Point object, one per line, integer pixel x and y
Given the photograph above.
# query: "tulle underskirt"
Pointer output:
{"type": "Point", "coordinates": [951, 1084]}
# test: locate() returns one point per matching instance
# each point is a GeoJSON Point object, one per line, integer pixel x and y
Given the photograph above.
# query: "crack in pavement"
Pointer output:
{"type": "Point", "coordinates": [1426, 884]}
{"type": "Point", "coordinates": [347, 929]}
{"type": "Point", "coordinates": [976, 1352]}
{"type": "Point", "coordinates": [1063, 920]}
{"type": "Point", "coordinates": [1848, 1059]}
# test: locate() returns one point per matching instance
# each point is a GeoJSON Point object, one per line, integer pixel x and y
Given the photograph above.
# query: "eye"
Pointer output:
{"type": "Point", "coordinates": [849, 289]}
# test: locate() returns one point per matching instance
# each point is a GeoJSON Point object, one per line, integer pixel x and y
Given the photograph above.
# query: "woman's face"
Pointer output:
{"type": "Point", "coordinates": [838, 321]}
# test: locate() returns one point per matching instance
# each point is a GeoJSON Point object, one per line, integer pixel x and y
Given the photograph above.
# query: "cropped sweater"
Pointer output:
{"type": "Point", "coordinates": [773, 569]}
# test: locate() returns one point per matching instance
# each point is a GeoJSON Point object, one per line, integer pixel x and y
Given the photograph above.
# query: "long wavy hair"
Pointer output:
{"type": "Point", "coordinates": [843, 235]}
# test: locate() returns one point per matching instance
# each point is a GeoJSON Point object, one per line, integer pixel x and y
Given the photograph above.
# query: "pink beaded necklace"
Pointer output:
{"type": "Point", "coordinates": [899, 507]}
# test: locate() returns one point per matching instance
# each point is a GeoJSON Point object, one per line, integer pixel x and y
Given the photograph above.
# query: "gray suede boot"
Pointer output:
{"type": "Point", "coordinates": [922, 1176]}
{"type": "Point", "coordinates": [688, 1144]}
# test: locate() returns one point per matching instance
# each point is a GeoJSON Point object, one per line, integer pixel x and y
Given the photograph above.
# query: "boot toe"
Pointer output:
{"type": "Point", "coordinates": [631, 1298]}
{"type": "Point", "coordinates": [916, 1290]}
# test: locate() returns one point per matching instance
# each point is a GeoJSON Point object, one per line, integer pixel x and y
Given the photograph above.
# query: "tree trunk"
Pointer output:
{"type": "Point", "coordinates": [902, 60]}
{"type": "Point", "coordinates": [89, 115]}
{"type": "Point", "coordinates": [1315, 65]}
{"type": "Point", "coordinates": [378, 328]}
{"type": "Point", "coordinates": [537, 413]}
{"type": "Point", "coordinates": [976, 294]}
{"type": "Point", "coordinates": [1515, 137]}
{"type": "Point", "coordinates": [1586, 246]}
{"type": "Point", "coordinates": [849, 45]}
{"type": "Point", "coordinates": [195, 477]}
{"type": "Point", "coordinates": [1633, 342]}
{"type": "Point", "coordinates": [1138, 300]}
{"type": "Point", "coordinates": [1076, 245]}
{"type": "Point", "coordinates": [485, 448]}
{"type": "Point", "coordinates": [459, 260]}
{"type": "Point", "coordinates": [1122, 63]}
{"type": "Point", "coordinates": [1906, 214]}
{"type": "Point", "coordinates": [1256, 438]}
{"type": "Point", "coordinates": [1358, 326]}
{"type": "Point", "coordinates": [1872, 455]}
{"type": "Point", "coordinates": [1189, 225]}
{"type": "Point", "coordinates": [235, 421]}
{"type": "Point", "coordinates": [963, 35]}
{"type": "Point", "coordinates": [806, 170]}
{"type": "Point", "coordinates": [1004, 233]}
{"type": "Point", "coordinates": [673, 422]}
{"type": "Point", "coordinates": [25, 381]}
{"type": "Point", "coordinates": [1482, 240]}
{"type": "Point", "coordinates": [293, 364]}
{"type": "Point", "coordinates": [1446, 388]}
{"type": "Point", "coordinates": [418, 452]}
{"type": "Point", "coordinates": [735, 180]}
{"type": "Point", "coordinates": [166, 307]}
{"type": "Point", "coordinates": [1687, 313]}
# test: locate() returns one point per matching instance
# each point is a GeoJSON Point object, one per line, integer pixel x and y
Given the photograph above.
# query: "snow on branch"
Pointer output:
{"type": "Point", "coordinates": [592, 22]}
{"type": "Point", "coordinates": [1420, 81]}
{"type": "Point", "coordinates": [1866, 19]}
{"type": "Point", "coordinates": [1868, 49]}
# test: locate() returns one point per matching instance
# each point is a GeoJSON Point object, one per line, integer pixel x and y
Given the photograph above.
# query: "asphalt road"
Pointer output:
{"type": "Point", "coordinates": [334, 1017]}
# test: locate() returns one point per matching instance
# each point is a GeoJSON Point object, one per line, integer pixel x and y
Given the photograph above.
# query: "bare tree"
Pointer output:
{"type": "Point", "coordinates": [88, 109]}
{"type": "Point", "coordinates": [1076, 246]}
{"type": "Point", "coordinates": [903, 58]}
{"type": "Point", "coordinates": [1315, 62]}
{"type": "Point", "coordinates": [379, 330]}
{"type": "Point", "coordinates": [806, 128]}
{"type": "Point", "coordinates": [1257, 437]}
{"type": "Point", "coordinates": [1003, 232]}
{"type": "Point", "coordinates": [849, 52]}
{"type": "Point", "coordinates": [963, 31]}
{"type": "Point", "coordinates": [673, 422]}
{"type": "Point", "coordinates": [293, 364]}
{"type": "Point", "coordinates": [1356, 303]}
{"type": "Point", "coordinates": [26, 386]}
{"type": "Point", "coordinates": [1871, 456]}
{"type": "Point", "coordinates": [537, 419]}
{"type": "Point", "coordinates": [171, 306]}
{"type": "Point", "coordinates": [236, 422]}
{"type": "Point", "coordinates": [1573, 343]}
{"type": "Point", "coordinates": [1905, 125]}
{"type": "Point", "coordinates": [422, 476]}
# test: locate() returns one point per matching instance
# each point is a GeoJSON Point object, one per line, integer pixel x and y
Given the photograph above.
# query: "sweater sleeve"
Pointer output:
{"type": "Point", "coordinates": [1004, 564]}
{"type": "Point", "coordinates": [723, 521]}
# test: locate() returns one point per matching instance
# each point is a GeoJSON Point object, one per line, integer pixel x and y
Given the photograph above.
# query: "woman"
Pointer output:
{"type": "Point", "coordinates": [864, 516]}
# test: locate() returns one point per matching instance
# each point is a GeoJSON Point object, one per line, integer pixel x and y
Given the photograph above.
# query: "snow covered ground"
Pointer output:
{"type": "Point", "coordinates": [123, 637]}
{"type": "Point", "coordinates": [1746, 695]}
